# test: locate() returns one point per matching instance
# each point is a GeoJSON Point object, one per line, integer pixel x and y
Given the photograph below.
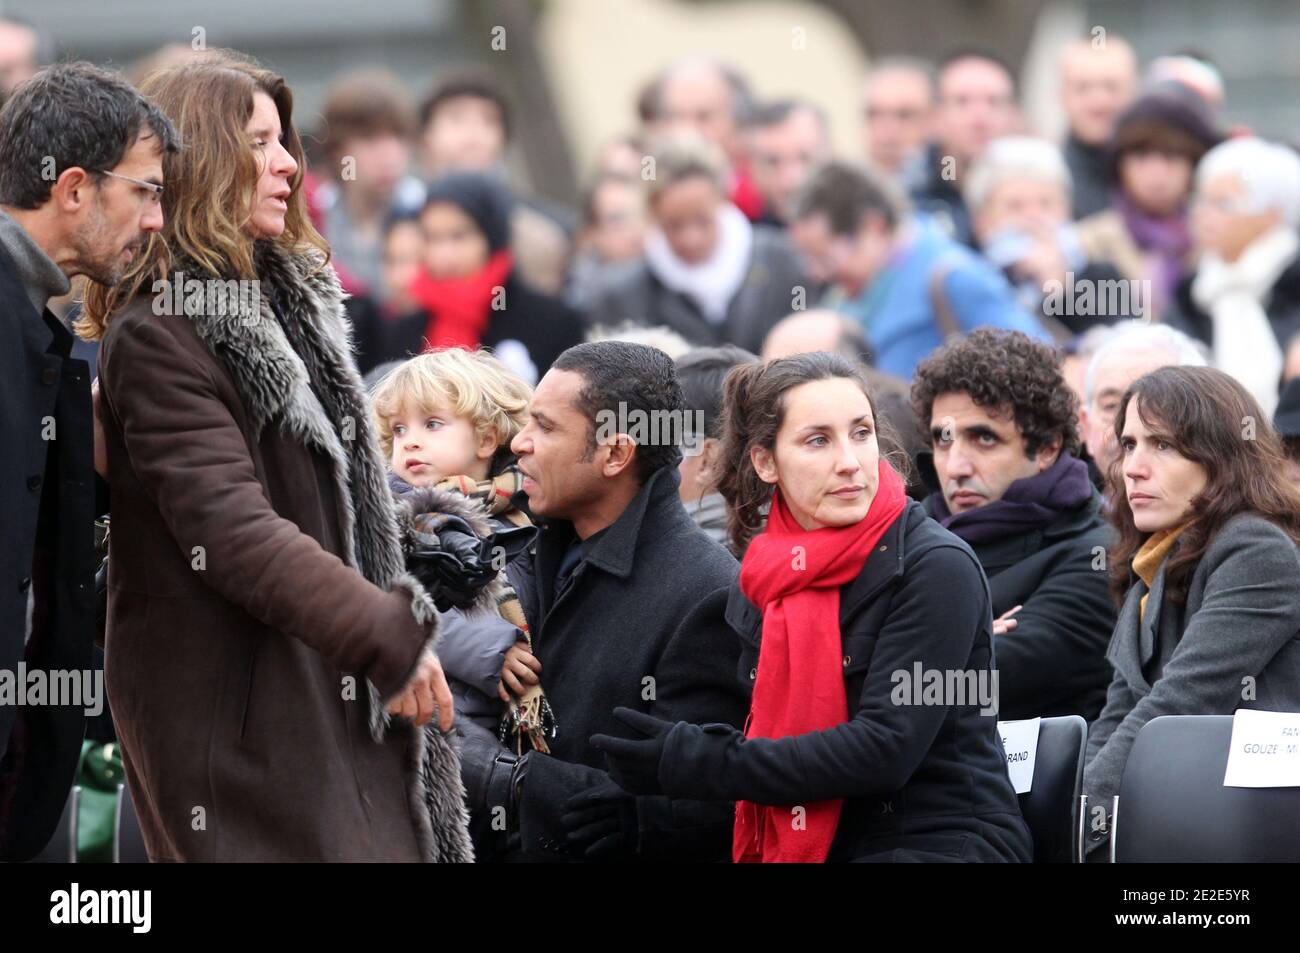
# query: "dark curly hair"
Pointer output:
{"type": "Point", "coordinates": [998, 370]}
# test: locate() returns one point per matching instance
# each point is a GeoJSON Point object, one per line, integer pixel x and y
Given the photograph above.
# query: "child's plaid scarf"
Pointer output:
{"type": "Point", "coordinates": [530, 716]}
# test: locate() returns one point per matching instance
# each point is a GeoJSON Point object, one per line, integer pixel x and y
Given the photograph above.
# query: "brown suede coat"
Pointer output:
{"type": "Point", "coordinates": [258, 606]}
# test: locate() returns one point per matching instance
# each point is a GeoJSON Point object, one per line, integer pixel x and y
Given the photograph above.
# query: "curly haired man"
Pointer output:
{"type": "Point", "coordinates": [1001, 423]}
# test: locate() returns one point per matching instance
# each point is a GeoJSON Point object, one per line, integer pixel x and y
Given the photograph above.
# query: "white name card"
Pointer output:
{"type": "Point", "coordinates": [1020, 739]}
{"type": "Point", "coordinates": [1265, 751]}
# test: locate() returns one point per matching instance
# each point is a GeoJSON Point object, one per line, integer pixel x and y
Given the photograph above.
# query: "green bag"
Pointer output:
{"type": "Point", "coordinates": [100, 776]}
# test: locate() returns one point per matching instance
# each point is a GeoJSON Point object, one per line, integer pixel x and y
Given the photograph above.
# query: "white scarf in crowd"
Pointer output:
{"type": "Point", "coordinates": [1234, 295]}
{"type": "Point", "coordinates": [712, 284]}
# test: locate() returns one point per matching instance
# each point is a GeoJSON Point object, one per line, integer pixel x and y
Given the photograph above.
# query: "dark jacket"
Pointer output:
{"type": "Point", "coordinates": [1089, 175]}
{"type": "Point", "coordinates": [937, 195]}
{"type": "Point", "coordinates": [640, 624]}
{"type": "Point", "coordinates": [764, 298]}
{"type": "Point", "coordinates": [1054, 661]}
{"type": "Point", "coordinates": [472, 642]}
{"type": "Point", "coordinates": [1234, 643]}
{"type": "Point", "coordinates": [1282, 308]}
{"type": "Point", "coordinates": [920, 781]}
{"type": "Point", "coordinates": [47, 510]}
{"type": "Point", "coordinates": [544, 327]}
{"type": "Point", "coordinates": [259, 614]}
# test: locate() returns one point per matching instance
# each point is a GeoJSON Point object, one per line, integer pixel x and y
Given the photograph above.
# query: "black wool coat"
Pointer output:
{"type": "Point", "coordinates": [1054, 661]}
{"type": "Point", "coordinates": [920, 781]}
{"type": "Point", "coordinates": [641, 624]}
{"type": "Point", "coordinates": [47, 513]}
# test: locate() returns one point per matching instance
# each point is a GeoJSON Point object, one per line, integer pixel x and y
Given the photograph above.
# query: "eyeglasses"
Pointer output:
{"type": "Point", "coordinates": [155, 190]}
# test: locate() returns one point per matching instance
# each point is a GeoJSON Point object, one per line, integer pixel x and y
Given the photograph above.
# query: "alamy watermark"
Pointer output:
{"type": "Point", "coordinates": [1095, 298]}
{"type": "Point", "coordinates": [225, 297]}
{"type": "Point", "coordinates": [72, 688]}
{"type": "Point", "coordinates": [948, 687]}
{"type": "Point", "coordinates": [654, 428]}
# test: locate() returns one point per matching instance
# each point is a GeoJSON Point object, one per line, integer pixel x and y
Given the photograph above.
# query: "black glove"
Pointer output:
{"type": "Point", "coordinates": [634, 758]}
{"type": "Point", "coordinates": [453, 563]}
{"type": "Point", "coordinates": [601, 822]}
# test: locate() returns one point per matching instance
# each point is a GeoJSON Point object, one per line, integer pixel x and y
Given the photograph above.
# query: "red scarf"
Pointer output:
{"type": "Point", "coordinates": [794, 576]}
{"type": "Point", "coordinates": [460, 308]}
{"type": "Point", "coordinates": [744, 193]}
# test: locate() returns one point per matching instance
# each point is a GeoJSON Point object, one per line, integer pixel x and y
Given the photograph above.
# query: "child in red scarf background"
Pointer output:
{"type": "Point", "coordinates": [846, 586]}
{"type": "Point", "coordinates": [468, 291]}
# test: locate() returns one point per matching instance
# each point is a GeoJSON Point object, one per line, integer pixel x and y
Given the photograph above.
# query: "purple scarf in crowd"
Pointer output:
{"type": "Point", "coordinates": [1027, 504]}
{"type": "Point", "coordinates": [1169, 238]}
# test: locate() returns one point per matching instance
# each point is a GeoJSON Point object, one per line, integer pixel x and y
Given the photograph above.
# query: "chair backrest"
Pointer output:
{"type": "Point", "coordinates": [1051, 806]}
{"type": "Point", "coordinates": [128, 841]}
{"type": "Point", "coordinates": [1173, 806]}
{"type": "Point", "coordinates": [62, 848]}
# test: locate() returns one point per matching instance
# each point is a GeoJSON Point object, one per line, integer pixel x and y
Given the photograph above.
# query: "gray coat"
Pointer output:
{"type": "Point", "coordinates": [764, 298]}
{"type": "Point", "coordinates": [1241, 620]}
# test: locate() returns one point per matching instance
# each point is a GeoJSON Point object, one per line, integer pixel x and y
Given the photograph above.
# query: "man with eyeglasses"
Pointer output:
{"type": "Point", "coordinates": [81, 175]}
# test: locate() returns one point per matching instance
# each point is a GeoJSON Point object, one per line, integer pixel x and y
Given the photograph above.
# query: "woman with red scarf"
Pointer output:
{"type": "Point", "coordinates": [468, 292]}
{"type": "Point", "coordinates": [866, 634]}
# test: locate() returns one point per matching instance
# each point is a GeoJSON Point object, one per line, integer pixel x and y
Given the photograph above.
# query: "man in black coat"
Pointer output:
{"type": "Point", "coordinates": [96, 203]}
{"type": "Point", "coordinates": [627, 608]}
{"type": "Point", "coordinates": [1002, 424]}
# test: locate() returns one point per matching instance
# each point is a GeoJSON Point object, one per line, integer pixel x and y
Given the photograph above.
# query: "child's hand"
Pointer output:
{"type": "Point", "coordinates": [518, 671]}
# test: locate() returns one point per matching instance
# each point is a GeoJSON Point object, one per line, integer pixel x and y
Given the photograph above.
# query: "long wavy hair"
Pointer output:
{"type": "Point", "coordinates": [753, 397]}
{"type": "Point", "coordinates": [1209, 418]}
{"type": "Point", "coordinates": [209, 184]}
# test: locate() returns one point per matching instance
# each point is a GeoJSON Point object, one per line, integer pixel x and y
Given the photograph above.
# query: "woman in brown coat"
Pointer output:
{"type": "Point", "coordinates": [261, 628]}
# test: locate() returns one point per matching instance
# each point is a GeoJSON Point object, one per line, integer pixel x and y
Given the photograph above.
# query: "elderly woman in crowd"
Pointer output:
{"type": "Point", "coordinates": [1244, 300]}
{"type": "Point", "coordinates": [708, 273]}
{"type": "Point", "coordinates": [1019, 195]}
{"type": "Point", "coordinates": [1206, 562]}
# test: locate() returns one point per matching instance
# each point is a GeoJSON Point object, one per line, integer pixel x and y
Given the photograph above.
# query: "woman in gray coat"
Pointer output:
{"type": "Point", "coordinates": [1208, 528]}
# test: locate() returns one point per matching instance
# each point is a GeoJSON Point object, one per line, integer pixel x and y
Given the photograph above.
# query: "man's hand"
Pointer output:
{"type": "Point", "coordinates": [601, 822]}
{"type": "Point", "coordinates": [1004, 623]}
{"type": "Point", "coordinates": [426, 691]}
{"type": "Point", "coordinates": [518, 671]}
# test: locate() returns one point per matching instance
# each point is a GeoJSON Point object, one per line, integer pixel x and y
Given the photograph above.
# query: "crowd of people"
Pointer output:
{"type": "Point", "coordinates": [384, 582]}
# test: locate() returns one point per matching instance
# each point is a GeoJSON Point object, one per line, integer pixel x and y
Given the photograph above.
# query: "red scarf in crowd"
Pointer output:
{"type": "Point", "coordinates": [459, 308]}
{"type": "Point", "coordinates": [794, 576]}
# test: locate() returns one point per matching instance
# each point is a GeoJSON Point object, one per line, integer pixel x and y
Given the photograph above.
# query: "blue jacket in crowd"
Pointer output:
{"type": "Point", "coordinates": [897, 309]}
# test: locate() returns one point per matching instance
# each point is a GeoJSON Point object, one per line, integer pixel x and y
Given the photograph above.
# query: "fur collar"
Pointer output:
{"type": "Point", "coordinates": [288, 348]}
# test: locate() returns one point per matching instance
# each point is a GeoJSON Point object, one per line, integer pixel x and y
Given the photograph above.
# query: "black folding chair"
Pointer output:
{"type": "Point", "coordinates": [1051, 806]}
{"type": "Point", "coordinates": [128, 841]}
{"type": "Point", "coordinates": [1173, 807]}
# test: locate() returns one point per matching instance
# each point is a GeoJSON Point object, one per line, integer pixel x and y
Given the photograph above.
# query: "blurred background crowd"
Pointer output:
{"type": "Point", "coordinates": [645, 167]}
